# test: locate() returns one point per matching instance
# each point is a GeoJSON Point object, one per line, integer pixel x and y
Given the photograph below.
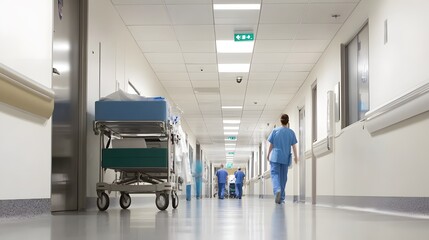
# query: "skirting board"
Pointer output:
{"type": "Point", "coordinates": [24, 207]}
{"type": "Point", "coordinates": [405, 205]}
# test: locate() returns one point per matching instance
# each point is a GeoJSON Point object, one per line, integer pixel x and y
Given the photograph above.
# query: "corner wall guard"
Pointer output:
{"type": "Point", "coordinates": [322, 147]}
{"type": "Point", "coordinates": [24, 93]}
{"type": "Point", "coordinates": [397, 110]}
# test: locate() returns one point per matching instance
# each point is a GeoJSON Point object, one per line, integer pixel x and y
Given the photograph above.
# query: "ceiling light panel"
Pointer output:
{"type": "Point", "coordinates": [191, 14]}
{"type": "Point", "coordinates": [236, 6]}
{"type": "Point", "coordinates": [238, 68]}
{"type": "Point", "coordinates": [231, 58]}
{"type": "Point", "coordinates": [232, 107]}
{"type": "Point", "coordinates": [231, 128]}
{"type": "Point", "coordinates": [231, 121]}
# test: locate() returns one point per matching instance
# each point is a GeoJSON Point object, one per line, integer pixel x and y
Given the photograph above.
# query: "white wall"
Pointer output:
{"type": "Point", "coordinates": [25, 143]}
{"type": "Point", "coordinates": [394, 161]}
{"type": "Point", "coordinates": [121, 61]}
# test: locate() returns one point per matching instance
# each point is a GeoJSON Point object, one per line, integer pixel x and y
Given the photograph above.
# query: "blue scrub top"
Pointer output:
{"type": "Point", "coordinates": [222, 175]}
{"type": "Point", "coordinates": [239, 176]}
{"type": "Point", "coordinates": [282, 139]}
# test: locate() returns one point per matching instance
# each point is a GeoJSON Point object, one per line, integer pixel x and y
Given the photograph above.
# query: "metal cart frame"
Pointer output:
{"type": "Point", "coordinates": [162, 182]}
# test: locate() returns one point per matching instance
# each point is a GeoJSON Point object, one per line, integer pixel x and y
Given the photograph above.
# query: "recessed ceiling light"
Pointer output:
{"type": "Point", "coordinates": [231, 128]}
{"type": "Point", "coordinates": [229, 149]}
{"type": "Point", "coordinates": [229, 46]}
{"type": "Point", "coordinates": [231, 133]}
{"type": "Point", "coordinates": [232, 107]}
{"type": "Point", "coordinates": [231, 121]}
{"type": "Point", "coordinates": [236, 6]}
{"type": "Point", "coordinates": [230, 144]}
{"type": "Point", "coordinates": [237, 67]}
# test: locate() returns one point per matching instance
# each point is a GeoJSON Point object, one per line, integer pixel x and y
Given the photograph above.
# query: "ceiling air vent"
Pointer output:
{"type": "Point", "coordinates": [206, 90]}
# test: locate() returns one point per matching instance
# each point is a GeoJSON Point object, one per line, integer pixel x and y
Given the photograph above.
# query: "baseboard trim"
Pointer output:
{"type": "Point", "coordinates": [24, 207]}
{"type": "Point", "coordinates": [404, 205]}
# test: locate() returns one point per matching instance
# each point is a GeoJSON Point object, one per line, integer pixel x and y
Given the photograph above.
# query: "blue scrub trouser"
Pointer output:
{"type": "Point", "coordinates": [198, 186]}
{"type": "Point", "coordinates": [279, 178]}
{"type": "Point", "coordinates": [238, 190]}
{"type": "Point", "coordinates": [221, 190]}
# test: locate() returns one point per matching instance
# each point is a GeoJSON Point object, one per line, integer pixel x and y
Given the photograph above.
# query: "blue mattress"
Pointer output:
{"type": "Point", "coordinates": [147, 110]}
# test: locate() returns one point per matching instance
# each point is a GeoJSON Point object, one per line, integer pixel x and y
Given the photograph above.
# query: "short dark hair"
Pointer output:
{"type": "Point", "coordinates": [284, 119]}
{"type": "Point", "coordinates": [239, 168]}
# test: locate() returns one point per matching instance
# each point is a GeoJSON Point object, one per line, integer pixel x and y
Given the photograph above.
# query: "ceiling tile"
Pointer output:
{"type": "Point", "coordinates": [170, 84]}
{"type": "Point", "coordinates": [295, 76]}
{"type": "Point", "coordinates": [309, 45]}
{"type": "Point", "coordinates": [317, 31]}
{"type": "Point", "coordinates": [269, 58]}
{"type": "Point", "coordinates": [278, 31]}
{"type": "Point", "coordinates": [152, 33]}
{"type": "Point", "coordinates": [199, 84]}
{"type": "Point", "coordinates": [168, 68]}
{"type": "Point", "coordinates": [199, 57]}
{"type": "Point", "coordinates": [202, 68]}
{"type": "Point", "coordinates": [198, 46]}
{"type": "Point", "coordinates": [322, 12]}
{"type": "Point", "coordinates": [298, 58]}
{"type": "Point", "coordinates": [297, 67]}
{"type": "Point", "coordinates": [258, 67]}
{"type": "Point", "coordinates": [203, 76]}
{"type": "Point", "coordinates": [282, 13]}
{"type": "Point", "coordinates": [159, 46]}
{"type": "Point", "coordinates": [143, 14]}
{"type": "Point", "coordinates": [191, 14]}
{"type": "Point", "coordinates": [164, 57]}
{"type": "Point", "coordinates": [262, 76]}
{"type": "Point", "coordinates": [195, 33]}
{"type": "Point", "coordinates": [173, 76]}
{"type": "Point", "coordinates": [274, 46]}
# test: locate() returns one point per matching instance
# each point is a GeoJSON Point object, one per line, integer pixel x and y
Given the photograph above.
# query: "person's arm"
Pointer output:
{"type": "Point", "coordinates": [269, 151]}
{"type": "Point", "coordinates": [295, 153]}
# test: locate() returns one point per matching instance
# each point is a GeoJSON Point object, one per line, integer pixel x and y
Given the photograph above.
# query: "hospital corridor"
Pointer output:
{"type": "Point", "coordinates": [214, 119]}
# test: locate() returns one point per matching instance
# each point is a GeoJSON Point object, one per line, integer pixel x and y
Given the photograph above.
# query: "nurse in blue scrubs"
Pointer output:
{"type": "Point", "coordinates": [282, 139]}
{"type": "Point", "coordinates": [222, 176]}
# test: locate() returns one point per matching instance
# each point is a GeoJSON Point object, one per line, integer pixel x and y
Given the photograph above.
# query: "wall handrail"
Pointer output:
{"type": "Point", "coordinates": [399, 109]}
{"type": "Point", "coordinates": [24, 93]}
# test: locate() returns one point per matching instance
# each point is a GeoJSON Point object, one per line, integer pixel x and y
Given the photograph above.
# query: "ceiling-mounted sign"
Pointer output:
{"type": "Point", "coordinates": [229, 165]}
{"type": "Point", "coordinates": [242, 37]}
{"type": "Point", "coordinates": [231, 153]}
{"type": "Point", "coordinates": [231, 138]}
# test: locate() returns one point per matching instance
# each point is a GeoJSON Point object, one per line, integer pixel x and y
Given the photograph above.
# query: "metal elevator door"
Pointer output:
{"type": "Point", "coordinates": [65, 119]}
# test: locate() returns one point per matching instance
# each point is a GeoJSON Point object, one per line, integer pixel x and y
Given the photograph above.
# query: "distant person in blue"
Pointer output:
{"type": "Point", "coordinates": [198, 174]}
{"type": "Point", "coordinates": [281, 139]}
{"type": "Point", "coordinates": [239, 178]}
{"type": "Point", "coordinates": [222, 176]}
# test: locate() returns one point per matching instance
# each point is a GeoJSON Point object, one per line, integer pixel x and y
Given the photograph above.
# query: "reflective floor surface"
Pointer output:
{"type": "Point", "coordinates": [249, 218]}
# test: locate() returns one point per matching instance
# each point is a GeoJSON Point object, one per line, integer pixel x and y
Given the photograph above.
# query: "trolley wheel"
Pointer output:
{"type": "Point", "coordinates": [125, 200]}
{"type": "Point", "coordinates": [174, 199]}
{"type": "Point", "coordinates": [161, 201]}
{"type": "Point", "coordinates": [103, 201]}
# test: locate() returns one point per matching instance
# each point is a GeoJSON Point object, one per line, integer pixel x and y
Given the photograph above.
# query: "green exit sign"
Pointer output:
{"type": "Point", "coordinates": [229, 165]}
{"type": "Point", "coordinates": [242, 37]}
{"type": "Point", "coordinates": [231, 153]}
{"type": "Point", "coordinates": [232, 138]}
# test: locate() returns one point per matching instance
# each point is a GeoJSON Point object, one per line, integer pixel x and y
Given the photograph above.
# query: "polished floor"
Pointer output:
{"type": "Point", "coordinates": [249, 218]}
